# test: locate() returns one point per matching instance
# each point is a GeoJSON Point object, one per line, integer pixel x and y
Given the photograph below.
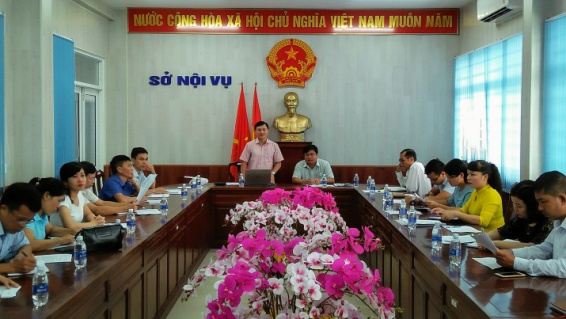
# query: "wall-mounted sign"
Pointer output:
{"type": "Point", "coordinates": [252, 21]}
{"type": "Point", "coordinates": [291, 62]}
{"type": "Point", "coordinates": [195, 80]}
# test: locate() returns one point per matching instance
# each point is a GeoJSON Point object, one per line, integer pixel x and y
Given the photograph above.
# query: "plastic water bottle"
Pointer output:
{"type": "Point", "coordinates": [184, 193]}
{"type": "Point", "coordinates": [356, 181]}
{"type": "Point", "coordinates": [241, 181]}
{"type": "Point", "coordinates": [437, 236]}
{"type": "Point", "coordinates": [118, 221]}
{"type": "Point", "coordinates": [79, 253]}
{"type": "Point", "coordinates": [402, 212]}
{"type": "Point", "coordinates": [40, 285]}
{"type": "Point", "coordinates": [193, 185]}
{"type": "Point", "coordinates": [389, 198]}
{"type": "Point", "coordinates": [131, 221]}
{"type": "Point", "coordinates": [455, 251]}
{"type": "Point", "coordinates": [324, 181]}
{"type": "Point", "coordinates": [164, 206]}
{"type": "Point", "coordinates": [199, 185]}
{"type": "Point", "coordinates": [386, 197]}
{"type": "Point", "coordinates": [368, 183]}
{"type": "Point", "coordinates": [412, 218]}
{"type": "Point", "coordinates": [372, 186]}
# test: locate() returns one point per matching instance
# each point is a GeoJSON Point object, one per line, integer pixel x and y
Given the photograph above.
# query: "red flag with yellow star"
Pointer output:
{"type": "Point", "coordinates": [241, 133]}
{"type": "Point", "coordinates": [256, 111]}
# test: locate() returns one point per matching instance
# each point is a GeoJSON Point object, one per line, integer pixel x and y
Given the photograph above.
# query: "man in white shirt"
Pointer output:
{"type": "Point", "coordinates": [549, 257]}
{"type": "Point", "coordinates": [140, 162]}
{"type": "Point", "coordinates": [414, 179]}
{"type": "Point", "coordinates": [441, 189]}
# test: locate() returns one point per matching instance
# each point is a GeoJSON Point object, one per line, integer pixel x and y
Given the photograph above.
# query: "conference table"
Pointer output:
{"type": "Point", "coordinates": [145, 278]}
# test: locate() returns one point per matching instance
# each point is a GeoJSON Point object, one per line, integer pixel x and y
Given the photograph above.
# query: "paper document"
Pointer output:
{"type": "Point", "coordinates": [320, 185]}
{"type": "Point", "coordinates": [488, 261]}
{"type": "Point", "coordinates": [484, 240]}
{"type": "Point", "coordinates": [422, 222]}
{"type": "Point", "coordinates": [15, 274]}
{"type": "Point", "coordinates": [55, 258]}
{"type": "Point", "coordinates": [8, 292]}
{"type": "Point", "coordinates": [145, 186]}
{"type": "Point", "coordinates": [232, 183]}
{"type": "Point", "coordinates": [159, 195]}
{"type": "Point", "coordinates": [153, 201]}
{"type": "Point", "coordinates": [462, 229]}
{"type": "Point", "coordinates": [148, 211]}
{"type": "Point", "coordinates": [463, 239]}
{"type": "Point", "coordinates": [175, 191]}
{"type": "Point", "coordinates": [396, 212]}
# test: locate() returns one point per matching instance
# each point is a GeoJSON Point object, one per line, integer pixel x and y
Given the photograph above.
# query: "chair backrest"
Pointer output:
{"type": "Point", "coordinates": [98, 182]}
{"type": "Point", "coordinates": [238, 165]}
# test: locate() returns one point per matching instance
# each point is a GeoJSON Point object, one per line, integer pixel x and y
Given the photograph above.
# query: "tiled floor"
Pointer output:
{"type": "Point", "coordinates": [195, 306]}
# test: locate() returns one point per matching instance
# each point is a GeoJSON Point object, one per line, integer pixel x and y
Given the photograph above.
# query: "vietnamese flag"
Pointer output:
{"type": "Point", "coordinates": [256, 112]}
{"type": "Point", "coordinates": [241, 133]}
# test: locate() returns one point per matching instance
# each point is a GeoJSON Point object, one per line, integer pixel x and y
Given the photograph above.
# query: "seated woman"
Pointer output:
{"type": "Point", "coordinates": [73, 212]}
{"type": "Point", "coordinates": [52, 193]}
{"type": "Point", "coordinates": [484, 208]}
{"type": "Point", "coordinates": [457, 173]}
{"type": "Point", "coordinates": [529, 226]}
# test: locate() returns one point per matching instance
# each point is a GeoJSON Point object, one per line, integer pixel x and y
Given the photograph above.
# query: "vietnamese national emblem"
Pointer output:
{"type": "Point", "coordinates": [291, 62]}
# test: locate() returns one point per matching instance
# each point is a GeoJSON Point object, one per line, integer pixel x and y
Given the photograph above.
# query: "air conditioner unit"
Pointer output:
{"type": "Point", "coordinates": [498, 10]}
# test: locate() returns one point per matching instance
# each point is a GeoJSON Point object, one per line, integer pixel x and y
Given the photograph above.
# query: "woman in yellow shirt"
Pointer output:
{"type": "Point", "coordinates": [484, 207]}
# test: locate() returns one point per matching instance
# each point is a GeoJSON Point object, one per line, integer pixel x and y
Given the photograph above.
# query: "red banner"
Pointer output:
{"type": "Point", "coordinates": [251, 21]}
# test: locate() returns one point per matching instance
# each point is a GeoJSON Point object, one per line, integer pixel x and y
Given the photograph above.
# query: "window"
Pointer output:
{"type": "Point", "coordinates": [487, 106]}
{"type": "Point", "coordinates": [554, 96]}
{"type": "Point", "coordinates": [87, 101]}
{"type": "Point", "coordinates": [2, 155]}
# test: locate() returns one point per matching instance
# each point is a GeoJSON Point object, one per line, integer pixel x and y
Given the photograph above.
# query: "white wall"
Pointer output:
{"type": "Point", "coordinates": [30, 25]}
{"type": "Point", "coordinates": [369, 97]}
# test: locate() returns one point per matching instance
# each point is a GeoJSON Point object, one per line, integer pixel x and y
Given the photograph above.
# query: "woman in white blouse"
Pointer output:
{"type": "Point", "coordinates": [73, 212]}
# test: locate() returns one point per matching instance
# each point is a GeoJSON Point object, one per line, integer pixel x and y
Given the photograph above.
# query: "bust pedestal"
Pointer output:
{"type": "Point", "coordinates": [292, 154]}
{"type": "Point", "coordinates": [292, 137]}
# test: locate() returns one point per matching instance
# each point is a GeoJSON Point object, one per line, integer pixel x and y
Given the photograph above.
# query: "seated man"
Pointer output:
{"type": "Point", "coordinates": [17, 209]}
{"type": "Point", "coordinates": [414, 180]}
{"type": "Point", "coordinates": [441, 189]}
{"type": "Point", "coordinates": [140, 162]}
{"type": "Point", "coordinates": [122, 184]}
{"type": "Point", "coordinates": [97, 205]}
{"type": "Point", "coordinates": [549, 257]}
{"type": "Point", "coordinates": [311, 169]}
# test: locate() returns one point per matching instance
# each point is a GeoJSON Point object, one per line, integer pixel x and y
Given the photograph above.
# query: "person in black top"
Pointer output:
{"type": "Point", "coordinates": [529, 226]}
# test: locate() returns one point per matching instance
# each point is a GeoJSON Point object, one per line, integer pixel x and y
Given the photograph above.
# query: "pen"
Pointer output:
{"type": "Point", "coordinates": [23, 253]}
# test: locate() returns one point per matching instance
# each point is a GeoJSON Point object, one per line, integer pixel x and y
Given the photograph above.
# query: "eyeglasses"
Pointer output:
{"type": "Point", "coordinates": [22, 222]}
{"type": "Point", "coordinates": [401, 159]}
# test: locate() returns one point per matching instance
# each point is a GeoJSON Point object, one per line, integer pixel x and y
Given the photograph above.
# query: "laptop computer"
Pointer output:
{"type": "Point", "coordinates": [257, 177]}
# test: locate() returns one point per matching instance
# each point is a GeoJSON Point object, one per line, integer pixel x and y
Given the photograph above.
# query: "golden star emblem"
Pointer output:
{"type": "Point", "coordinates": [291, 54]}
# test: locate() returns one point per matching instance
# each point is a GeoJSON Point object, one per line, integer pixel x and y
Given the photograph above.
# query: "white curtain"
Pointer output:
{"type": "Point", "coordinates": [487, 106]}
{"type": "Point", "coordinates": [554, 95]}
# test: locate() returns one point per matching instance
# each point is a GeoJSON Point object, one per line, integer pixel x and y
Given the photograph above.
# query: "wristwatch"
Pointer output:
{"type": "Point", "coordinates": [272, 173]}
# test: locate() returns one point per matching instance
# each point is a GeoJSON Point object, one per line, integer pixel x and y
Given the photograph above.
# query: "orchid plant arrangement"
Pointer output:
{"type": "Point", "coordinates": [295, 258]}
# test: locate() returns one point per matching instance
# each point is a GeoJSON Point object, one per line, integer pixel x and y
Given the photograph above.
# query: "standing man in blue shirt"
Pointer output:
{"type": "Point", "coordinates": [311, 169]}
{"type": "Point", "coordinates": [17, 208]}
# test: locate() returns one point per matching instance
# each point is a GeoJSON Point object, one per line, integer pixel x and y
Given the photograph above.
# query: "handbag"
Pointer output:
{"type": "Point", "coordinates": [107, 237]}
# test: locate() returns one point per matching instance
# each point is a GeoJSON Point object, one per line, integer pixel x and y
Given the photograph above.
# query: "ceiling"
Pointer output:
{"type": "Point", "coordinates": [289, 4]}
